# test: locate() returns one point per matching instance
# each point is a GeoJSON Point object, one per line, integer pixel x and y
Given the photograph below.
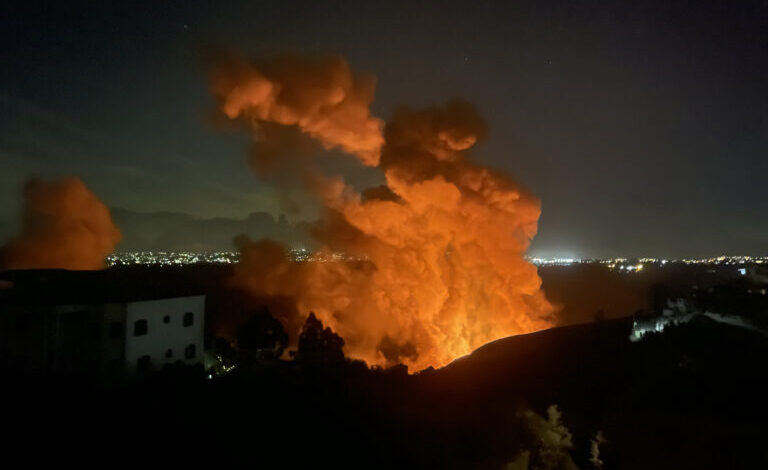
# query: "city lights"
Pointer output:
{"type": "Point", "coordinates": [173, 258]}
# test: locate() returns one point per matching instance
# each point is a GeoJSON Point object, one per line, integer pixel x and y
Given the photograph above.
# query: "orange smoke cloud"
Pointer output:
{"type": "Point", "coordinates": [321, 97]}
{"type": "Point", "coordinates": [434, 263]}
{"type": "Point", "coordinates": [65, 226]}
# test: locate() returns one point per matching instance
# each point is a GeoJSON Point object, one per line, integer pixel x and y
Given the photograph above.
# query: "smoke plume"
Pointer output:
{"type": "Point", "coordinates": [65, 226]}
{"type": "Point", "coordinates": [320, 97]}
{"type": "Point", "coordinates": [432, 263]}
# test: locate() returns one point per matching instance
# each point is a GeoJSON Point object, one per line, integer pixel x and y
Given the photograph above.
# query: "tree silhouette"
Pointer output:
{"type": "Point", "coordinates": [318, 343]}
{"type": "Point", "coordinates": [262, 336]}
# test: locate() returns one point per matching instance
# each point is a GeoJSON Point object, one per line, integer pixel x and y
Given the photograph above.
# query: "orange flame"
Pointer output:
{"type": "Point", "coordinates": [436, 266]}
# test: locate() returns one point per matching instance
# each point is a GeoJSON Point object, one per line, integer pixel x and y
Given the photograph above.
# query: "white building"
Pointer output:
{"type": "Point", "coordinates": [95, 323]}
{"type": "Point", "coordinates": [164, 331]}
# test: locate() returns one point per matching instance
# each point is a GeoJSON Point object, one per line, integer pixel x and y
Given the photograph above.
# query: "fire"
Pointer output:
{"type": "Point", "coordinates": [439, 267]}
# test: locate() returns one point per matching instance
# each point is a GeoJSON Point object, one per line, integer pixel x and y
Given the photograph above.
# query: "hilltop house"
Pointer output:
{"type": "Point", "coordinates": [55, 322]}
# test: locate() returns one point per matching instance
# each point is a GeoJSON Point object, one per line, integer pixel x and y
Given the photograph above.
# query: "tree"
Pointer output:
{"type": "Point", "coordinates": [319, 344]}
{"type": "Point", "coordinates": [262, 336]}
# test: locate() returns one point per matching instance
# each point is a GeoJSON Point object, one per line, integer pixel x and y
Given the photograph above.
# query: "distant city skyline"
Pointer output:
{"type": "Point", "coordinates": [629, 264]}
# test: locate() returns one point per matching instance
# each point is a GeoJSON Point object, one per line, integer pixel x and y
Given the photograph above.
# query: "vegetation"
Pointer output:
{"type": "Point", "coordinates": [687, 398]}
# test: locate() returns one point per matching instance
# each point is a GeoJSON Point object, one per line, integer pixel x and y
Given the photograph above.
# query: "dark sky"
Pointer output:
{"type": "Point", "coordinates": [642, 126]}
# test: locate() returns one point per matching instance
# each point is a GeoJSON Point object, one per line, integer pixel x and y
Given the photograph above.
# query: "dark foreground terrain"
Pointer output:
{"type": "Point", "coordinates": [691, 397]}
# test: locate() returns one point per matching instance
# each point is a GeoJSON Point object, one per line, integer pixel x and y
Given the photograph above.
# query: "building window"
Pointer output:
{"type": "Point", "coordinates": [167, 319]}
{"type": "Point", "coordinates": [189, 352]}
{"type": "Point", "coordinates": [115, 329]}
{"type": "Point", "coordinates": [143, 364]}
{"type": "Point", "coordinates": [189, 319]}
{"type": "Point", "coordinates": [169, 353]}
{"type": "Point", "coordinates": [140, 328]}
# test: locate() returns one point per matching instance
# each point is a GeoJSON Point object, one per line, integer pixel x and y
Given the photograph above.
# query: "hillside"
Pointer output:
{"type": "Point", "coordinates": [691, 397]}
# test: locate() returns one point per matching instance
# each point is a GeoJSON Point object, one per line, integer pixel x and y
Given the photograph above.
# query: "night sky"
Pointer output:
{"type": "Point", "coordinates": [642, 126]}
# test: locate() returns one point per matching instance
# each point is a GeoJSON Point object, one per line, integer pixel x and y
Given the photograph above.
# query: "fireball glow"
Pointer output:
{"type": "Point", "coordinates": [440, 268]}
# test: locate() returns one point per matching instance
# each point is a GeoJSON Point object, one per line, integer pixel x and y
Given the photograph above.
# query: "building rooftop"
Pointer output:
{"type": "Point", "coordinates": [59, 286]}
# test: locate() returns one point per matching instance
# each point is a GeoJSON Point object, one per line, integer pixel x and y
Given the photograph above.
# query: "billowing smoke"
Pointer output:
{"type": "Point", "coordinates": [65, 226]}
{"type": "Point", "coordinates": [321, 98]}
{"type": "Point", "coordinates": [433, 261]}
